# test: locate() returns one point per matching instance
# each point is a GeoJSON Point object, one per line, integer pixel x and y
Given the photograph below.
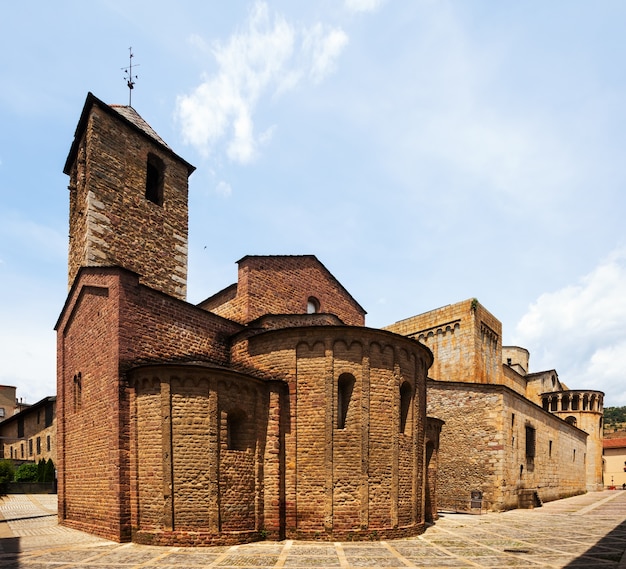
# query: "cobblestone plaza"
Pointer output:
{"type": "Point", "coordinates": [587, 531]}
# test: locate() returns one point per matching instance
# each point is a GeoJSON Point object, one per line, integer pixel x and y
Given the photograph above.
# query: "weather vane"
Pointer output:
{"type": "Point", "coordinates": [129, 77]}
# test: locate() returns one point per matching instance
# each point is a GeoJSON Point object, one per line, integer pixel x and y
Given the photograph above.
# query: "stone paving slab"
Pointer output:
{"type": "Point", "coordinates": [583, 532]}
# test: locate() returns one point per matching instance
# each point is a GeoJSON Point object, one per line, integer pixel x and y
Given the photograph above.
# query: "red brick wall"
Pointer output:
{"type": "Point", "coordinates": [109, 324]}
{"type": "Point", "coordinates": [283, 285]}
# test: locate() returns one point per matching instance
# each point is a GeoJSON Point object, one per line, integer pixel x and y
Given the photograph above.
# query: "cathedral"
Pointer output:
{"type": "Point", "coordinates": [270, 410]}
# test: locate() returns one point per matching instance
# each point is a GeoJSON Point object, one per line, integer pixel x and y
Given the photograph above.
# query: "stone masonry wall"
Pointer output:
{"type": "Point", "coordinates": [112, 223]}
{"type": "Point", "coordinates": [483, 447]}
{"type": "Point", "coordinates": [362, 478]}
{"type": "Point", "coordinates": [110, 324]}
{"type": "Point", "coordinates": [193, 483]}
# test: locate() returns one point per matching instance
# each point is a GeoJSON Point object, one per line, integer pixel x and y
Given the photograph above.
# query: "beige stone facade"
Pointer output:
{"type": "Point", "coordinates": [615, 461]}
{"type": "Point", "coordinates": [516, 438]}
{"type": "Point", "coordinates": [30, 435]}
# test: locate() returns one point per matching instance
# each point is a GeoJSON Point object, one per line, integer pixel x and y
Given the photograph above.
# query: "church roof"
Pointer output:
{"type": "Point", "coordinates": [134, 117]}
{"type": "Point", "coordinates": [129, 116]}
{"type": "Point", "coordinates": [614, 443]}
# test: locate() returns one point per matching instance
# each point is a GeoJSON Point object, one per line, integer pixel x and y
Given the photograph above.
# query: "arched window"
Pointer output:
{"type": "Point", "coordinates": [345, 386]}
{"type": "Point", "coordinates": [571, 420]}
{"type": "Point", "coordinates": [312, 305]}
{"type": "Point", "coordinates": [406, 395]}
{"type": "Point", "coordinates": [236, 430]}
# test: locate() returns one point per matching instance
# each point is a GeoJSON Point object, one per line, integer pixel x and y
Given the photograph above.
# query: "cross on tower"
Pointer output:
{"type": "Point", "coordinates": [129, 77]}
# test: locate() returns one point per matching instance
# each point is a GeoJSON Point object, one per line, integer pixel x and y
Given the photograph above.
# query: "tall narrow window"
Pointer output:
{"type": "Point", "coordinates": [530, 442]}
{"type": "Point", "coordinates": [345, 386]}
{"type": "Point", "coordinates": [154, 179]}
{"type": "Point", "coordinates": [78, 391]}
{"type": "Point", "coordinates": [20, 427]}
{"type": "Point", "coordinates": [236, 430]}
{"type": "Point", "coordinates": [48, 414]}
{"type": "Point", "coordinates": [406, 393]}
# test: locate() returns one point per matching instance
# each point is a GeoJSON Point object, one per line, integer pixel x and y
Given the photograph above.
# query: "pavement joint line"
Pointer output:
{"type": "Point", "coordinates": [282, 558]}
{"type": "Point", "coordinates": [223, 556]}
{"type": "Point", "coordinates": [448, 552]}
{"type": "Point", "coordinates": [163, 555]}
{"type": "Point", "coordinates": [341, 555]}
{"type": "Point", "coordinates": [38, 504]}
{"type": "Point", "coordinates": [397, 554]}
{"type": "Point", "coordinates": [495, 550]}
{"type": "Point", "coordinates": [595, 505]}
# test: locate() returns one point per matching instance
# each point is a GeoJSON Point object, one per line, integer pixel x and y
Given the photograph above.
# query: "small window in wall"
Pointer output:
{"type": "Point", "coordinates": [22, 450]}
{"type": "Point", "coordinates": [48, 445]}
{"type": "Point", "coordinates": [38, 445]}
{"type": "Point", "coordinates": [550, 449]}
{"type": "Point", "coordinates": [30, 447]}
{"type": "Point", "coordinates": [345, 386]}
{"type": "Point", "coordinates": [312, 305]}
{"type": "Point", "coordinates": [49, 412]}
{"type": "Point", "coordinates": [236, 430]}
{"type": "Point", "coordinates": [1, 412]}
{"type": "Point", "coordinates": [78, 391]}
{"type": "Point", "coordinates": [571, 420]}
{"type": "Point", "coordinates": [530, 441]}
{"type": "Point", "coordinates": [20, 428]}
{"type": "Point", "coordinates": [406, 395]}
{"type": "Point", "coordinates": [155, 170]}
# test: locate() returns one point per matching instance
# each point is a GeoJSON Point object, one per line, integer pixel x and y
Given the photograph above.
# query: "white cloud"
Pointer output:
{"type": "Point", "coordinates": [269, 56]}
{"type": "Point", "coordinates": [324, 45]}
{"type": "Point", "coordinates": [224, 189]}
{"type": "Point", "coordinates": [581, 330]}
{"type": "Point", "coordinates": [363, 5]}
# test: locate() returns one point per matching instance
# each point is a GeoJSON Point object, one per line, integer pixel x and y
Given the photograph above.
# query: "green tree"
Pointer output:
{"type": "Point", "coordinates": [49, 471]}
{"type": "Point", "coordinates": [614, 415]}
{"type": "Point", "coordinates": [6, 474]}
{"type": "Point", "coordinates": [41, 467]}
{"type": "Point", "coordinates": [26, 472]}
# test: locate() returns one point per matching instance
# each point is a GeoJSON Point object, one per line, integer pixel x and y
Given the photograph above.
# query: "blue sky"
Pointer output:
{"type": "Point", "coordinates": [426, 151]}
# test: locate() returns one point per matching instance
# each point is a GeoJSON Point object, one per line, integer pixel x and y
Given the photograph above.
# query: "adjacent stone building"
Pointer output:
{"type": "Point", "coordinates": [269, 409]}
{"type": "Point", "coordinates": [511, 438]}
{"type": "Point", "coordinates": [30, 434]}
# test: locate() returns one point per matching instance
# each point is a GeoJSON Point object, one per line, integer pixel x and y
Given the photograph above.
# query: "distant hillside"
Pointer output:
{"type": "Point", "coordinates": [614, 418]}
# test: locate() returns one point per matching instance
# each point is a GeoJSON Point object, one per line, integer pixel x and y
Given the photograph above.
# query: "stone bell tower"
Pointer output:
{"type": "Point", "coordinates": [128, 199]}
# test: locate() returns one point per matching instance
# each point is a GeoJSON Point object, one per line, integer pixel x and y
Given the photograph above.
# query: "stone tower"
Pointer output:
{"type": "Point", "coordinates": [583, 409]}
{"type": "Point", "coordinates": [128, 199]}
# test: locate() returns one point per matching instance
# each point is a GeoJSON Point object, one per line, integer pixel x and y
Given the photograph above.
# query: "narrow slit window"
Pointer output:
{"type": "Point", "coordinates": [530, 442]}
{"type": "Point", "coordinates": [155, 170]}
{"type": "Point", "coordinates": [406, 395]}
{"type": "Point", "coordinates": [236, 430]}
{"type": "Point", "coordinates": [345, 386]}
